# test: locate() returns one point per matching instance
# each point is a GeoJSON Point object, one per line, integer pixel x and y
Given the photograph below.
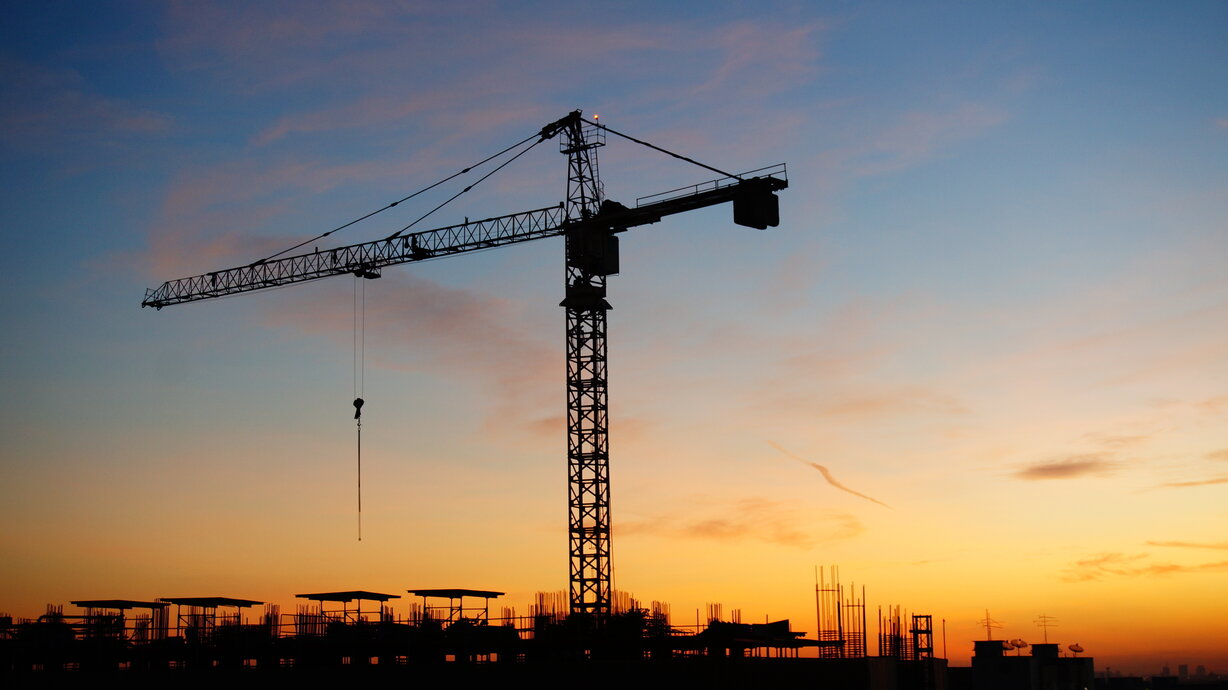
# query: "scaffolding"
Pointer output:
{"type": "Point", "coordinates": [109, 619]}
{"type": "Point", "coordinates": [198, 619]}
{"type": "Point", "coordinates": [840, 617]}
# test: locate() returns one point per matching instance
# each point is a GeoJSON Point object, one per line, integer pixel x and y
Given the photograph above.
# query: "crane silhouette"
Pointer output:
{"type": "Point", "coordinates": [590, 225]}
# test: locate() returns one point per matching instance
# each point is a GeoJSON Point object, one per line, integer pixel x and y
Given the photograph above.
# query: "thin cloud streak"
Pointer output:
{"type": "Point", "coordinates": [827, 475]}
{"type": "Point", "coordinates": [1115, 441]}
{"type": "Point", "coordinates": [1121, 565]}
{"type": "Point", "coordinates": [749, 519]}
{"type": "Point", "coordinates": [1222, 546]}
{"type": "Point", "coordinates": [1071, 468]}
{"type": "Point", "coordinates": [1200, 482]}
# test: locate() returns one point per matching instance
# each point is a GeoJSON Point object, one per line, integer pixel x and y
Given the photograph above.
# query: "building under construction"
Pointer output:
{"type": "Point", "coordinates": [453, 635]}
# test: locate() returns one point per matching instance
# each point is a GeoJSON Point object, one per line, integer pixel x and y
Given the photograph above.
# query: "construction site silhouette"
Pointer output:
{"type": "Point", "coordinates": [589, 635]}
{"type": "Point", "coordinates": [451, 636]}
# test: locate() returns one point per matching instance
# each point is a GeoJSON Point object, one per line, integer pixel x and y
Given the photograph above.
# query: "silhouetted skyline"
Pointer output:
{"type": "Point", "coordinates": [995, 303]}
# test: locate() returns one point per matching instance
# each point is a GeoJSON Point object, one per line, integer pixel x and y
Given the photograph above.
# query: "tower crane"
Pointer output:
{"type": "Point", "coordinates": [590, 225]}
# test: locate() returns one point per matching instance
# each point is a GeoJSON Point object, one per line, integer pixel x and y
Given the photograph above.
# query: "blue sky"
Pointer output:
{"type": "Point", "coordinates": [997, 296]}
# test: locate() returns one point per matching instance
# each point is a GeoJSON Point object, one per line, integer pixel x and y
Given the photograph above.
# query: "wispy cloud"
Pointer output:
{"type": "Point", "coordinates": [211, 216]}
{"type": "Point", "coordinates": [1221, 546]}
{"type": "Point", "coordinates": [267, 46]}
{"type": "Point", "coordinates": [1115, 441]}
{"type": "Point", "coordinates": [1216, 405]}
{"type": "Point", "coordinates": [1121, 565]}
{"type": "Point", "coordinates": [423, 325]}
{"type": "Point", "coordinates": [919, 135]}
{"type": "Point", "coordinates": [1197, 482]}
{"type": "Point", "coordinates": [1072, 467]}
{"type": "Point", "coordinates": [895, 401]}
{"type": "Point", "coordinates": [55, 110]}
{"type": "Point", "coordinates": [1221, 454]}
{"type": "Point", "coordinates": [750, 519]}
{"type": "Point", "coordinates": [827, 475]}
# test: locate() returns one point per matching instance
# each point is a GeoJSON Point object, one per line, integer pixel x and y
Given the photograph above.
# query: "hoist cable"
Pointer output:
{"type": "Point", "coordinates": [362, 340]}
{"type": "Point", "coordinates": [359, 366]}
{"type": "Point", "coordinates": [398, 201]}
{"type": "Point", "coordinates": [668, 153]}
{"type": "Point", "coordinates": [454, 196]}
{"type": "Point", "coordinates": [354, 345]}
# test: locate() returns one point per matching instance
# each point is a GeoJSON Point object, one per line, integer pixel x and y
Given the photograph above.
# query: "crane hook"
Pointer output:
{"type": "Point", "coordinates": [358, 402]}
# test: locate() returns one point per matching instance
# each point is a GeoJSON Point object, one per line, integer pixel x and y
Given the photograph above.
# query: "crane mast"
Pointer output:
{"type": "Point", "coordinates": [590, 225]}
{"type": "Point", "coordinates": [591, 255]}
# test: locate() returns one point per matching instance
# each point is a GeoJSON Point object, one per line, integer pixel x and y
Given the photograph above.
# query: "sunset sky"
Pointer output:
{"type": "Point", "coordinates": [995, 310]}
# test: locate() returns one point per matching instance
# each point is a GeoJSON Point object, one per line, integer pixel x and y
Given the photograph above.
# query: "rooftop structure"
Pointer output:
{"type": "Point", "coordinates": [455, 610]}
{"type": "Point", "coordinates": [345, 613]}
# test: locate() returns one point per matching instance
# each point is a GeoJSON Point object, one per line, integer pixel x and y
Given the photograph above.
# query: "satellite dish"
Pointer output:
{"type": "Point", "coordinates": [1076, 648]}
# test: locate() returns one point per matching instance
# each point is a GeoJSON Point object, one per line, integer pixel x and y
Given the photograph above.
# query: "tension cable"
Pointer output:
{"type": "Point", "coordinates": [668, 153]}
{"type": "Point", "coordinates": [398, 201]}
{"type": "Point", "coordinates": [479, 181]}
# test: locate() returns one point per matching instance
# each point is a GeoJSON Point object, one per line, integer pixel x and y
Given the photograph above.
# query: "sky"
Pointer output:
{"type": "Point", "coordinates": [981, 365]}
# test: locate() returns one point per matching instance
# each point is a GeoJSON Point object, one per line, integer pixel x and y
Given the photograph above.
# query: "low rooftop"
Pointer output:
{"type": "Point", "coordinates": [346, 597]}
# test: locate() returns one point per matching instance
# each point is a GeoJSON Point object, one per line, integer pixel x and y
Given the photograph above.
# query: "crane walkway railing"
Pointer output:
{"type": "Point", "coordinates": [777, 171]}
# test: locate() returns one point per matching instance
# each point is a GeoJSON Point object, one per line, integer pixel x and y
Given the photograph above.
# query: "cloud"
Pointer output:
{"type": "Point", "coordinates": [1222, 546]}
{"type": "Point", "coordinates": [746, 48]}
{"type": "Point", "coordinates": [422, 325]}
{"type": "Point", "coordinates": [791, 393]}
{"type": "Point", "coordinates": [45, 110]}
{"type": "Point", "coordinates": [750, 519]}
{"type": "Point", "coordinates": [918, 135]}
{"type": "Point", "coordinates": [344, 53]}
{"type": "Point", "coordinates": [827, 475]}
{"type": "Point", "coordinates": [1216, 405]}
{"type": "Point", "coordinates": [393, 111]}
{"type": "Point", "coordinates": [900, 400]}
{"type": "Point", "coordinates": [1115, 441]}
{"type": "Point", "coordinates": [1198, 482]}
{"type": "Point", "coordinates": [1221, 454]}
{"type": "Point", "coordinates": [1071, 468]}
{"type": "Point", "coordinates": [211, 216]}
{"type": "Point", "coordinates": [788, 286]}
{"type": "Point", "coordinates": [1121, 565]}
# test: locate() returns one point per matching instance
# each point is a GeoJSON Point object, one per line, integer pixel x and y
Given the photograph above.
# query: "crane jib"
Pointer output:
{"type": "Point", "coordinates": [754, 199]}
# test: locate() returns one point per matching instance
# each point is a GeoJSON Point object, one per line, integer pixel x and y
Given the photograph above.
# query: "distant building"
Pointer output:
{"type": "Point", "coordinates": [1044, 669]}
